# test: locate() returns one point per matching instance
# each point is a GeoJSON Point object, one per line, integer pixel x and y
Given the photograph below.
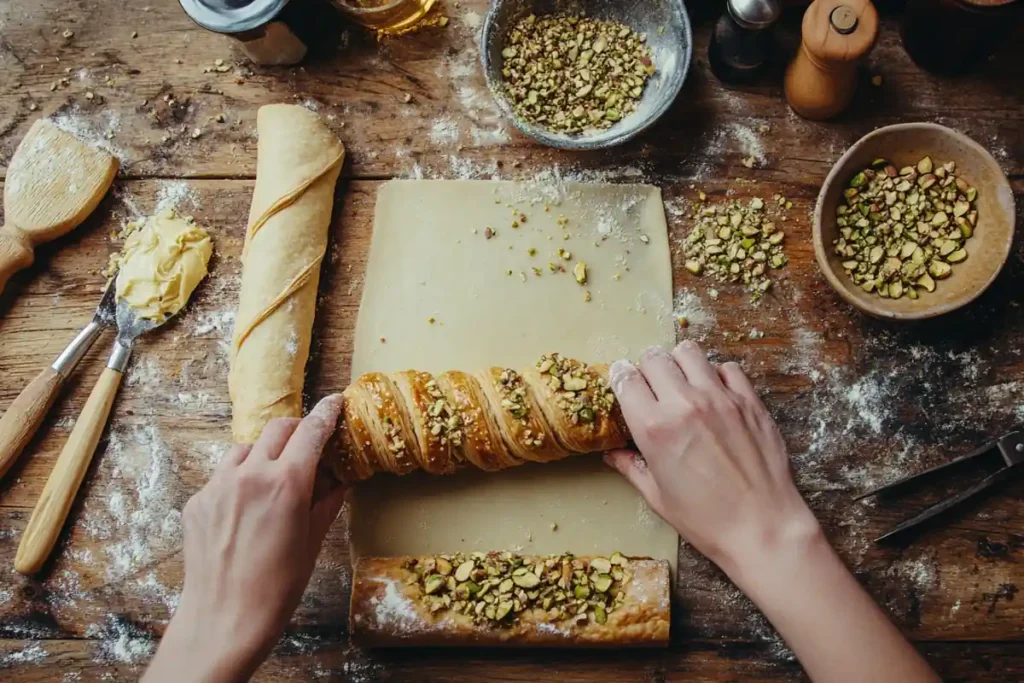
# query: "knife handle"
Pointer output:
{"type": "Point", "coordinates": [16, 252]}
{"type": "Point", "coordinates": [59, 493]}
{"type": "Point", "coordinates": [26, 412]}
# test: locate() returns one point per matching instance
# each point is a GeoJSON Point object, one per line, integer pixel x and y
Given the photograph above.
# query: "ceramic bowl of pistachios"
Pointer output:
{"type": "Point", "coordinates": [915, 220]}
{"type": "Point", "coordinates": [586, 75]}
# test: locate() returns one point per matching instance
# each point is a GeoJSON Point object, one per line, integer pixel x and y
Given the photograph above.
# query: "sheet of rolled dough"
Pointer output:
{"type": "Point", "coordinates": [430, 259]}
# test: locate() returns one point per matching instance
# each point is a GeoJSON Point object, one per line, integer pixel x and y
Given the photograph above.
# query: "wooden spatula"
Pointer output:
{"type": "Point", "coordinates": [53, 182]}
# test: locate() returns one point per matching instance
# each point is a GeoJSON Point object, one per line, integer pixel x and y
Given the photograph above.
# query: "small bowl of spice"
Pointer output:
{"type": "Point", "coordinates": [914, 220]}
{"type": "Point", "coordinates": [576, 80]}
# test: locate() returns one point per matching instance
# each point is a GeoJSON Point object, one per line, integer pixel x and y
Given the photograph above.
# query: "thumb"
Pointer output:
{"type": "Point", "coordinates": [631, 465]}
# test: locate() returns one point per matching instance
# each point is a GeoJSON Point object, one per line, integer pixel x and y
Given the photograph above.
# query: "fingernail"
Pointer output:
{"type": "Point", "coordinates": [328, 406]}
{"type": "Point", "coordinates": [619, 372]}
{"type": "Point", "coordinates": [652, 351]}
{"type": "Point", "coordinates": [690, 345]}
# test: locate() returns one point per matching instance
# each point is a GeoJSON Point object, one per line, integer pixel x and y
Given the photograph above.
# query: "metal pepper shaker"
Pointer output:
{"type": "Point", "coordinates": [740, 41]}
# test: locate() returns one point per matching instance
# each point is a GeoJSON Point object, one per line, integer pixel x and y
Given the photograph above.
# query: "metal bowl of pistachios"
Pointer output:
{"type": "Point", "coordinates": [585, 74]}
{"type": "Point", "coordinates": [915, 220]}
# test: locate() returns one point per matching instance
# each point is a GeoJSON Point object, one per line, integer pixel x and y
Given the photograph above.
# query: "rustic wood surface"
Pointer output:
{"type": "Point", "coordinates": [859, 401]}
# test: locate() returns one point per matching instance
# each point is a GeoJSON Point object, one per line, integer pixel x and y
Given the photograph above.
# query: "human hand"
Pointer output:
{"type": "Point", "coordinates": [714, 464]}
{"type": "Point", "coordinates": [715, 467]}
{"type": "Point", "coordinates": [252, 535]}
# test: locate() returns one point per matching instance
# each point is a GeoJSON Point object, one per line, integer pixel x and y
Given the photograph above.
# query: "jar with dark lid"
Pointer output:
{"type": "Point", "coordinates": [952, 36]}
{"type": "Point", "coordinates": [740, 42]}
{"type": "Point", "coordinates": [268, 30]}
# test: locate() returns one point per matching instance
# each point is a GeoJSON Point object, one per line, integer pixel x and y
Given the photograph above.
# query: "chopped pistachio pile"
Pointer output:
{"type": "Point", "coordinates": [512, 389]}
{"type": "Point", "coordinates": [393, 436]}
{"type": "Point", "coordinates": [734, 243]}
{"type": "Point", "coordinates": [578, 394]}
{"type": "Point", "coordinates": [571, 73]}
{"type": "Point", "coordinates": [442, 419]}
{"type": "Point", "coordinates": [903, 229]}
{"type": "Point", "coordinates": [495, 588]}
{"type": "Point", "coordinates": [513, 393]}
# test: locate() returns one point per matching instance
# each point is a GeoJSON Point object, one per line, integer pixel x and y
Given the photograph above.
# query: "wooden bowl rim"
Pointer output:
{"type": "Point", "coordinates": [879, 308]}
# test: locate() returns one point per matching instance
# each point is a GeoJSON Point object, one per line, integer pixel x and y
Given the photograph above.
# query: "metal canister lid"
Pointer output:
{"type": "Point", "coordinates": [232, 16]}
{"type": "Point", "coordinates": [754, 14]}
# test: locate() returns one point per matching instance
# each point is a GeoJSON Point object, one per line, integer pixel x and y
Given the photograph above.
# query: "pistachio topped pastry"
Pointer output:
{"type": "Point", "coordinates": [493, 419]}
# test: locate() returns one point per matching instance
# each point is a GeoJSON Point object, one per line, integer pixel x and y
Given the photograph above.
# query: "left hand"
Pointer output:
{"type": "Point", "coordinates": [252, 535]}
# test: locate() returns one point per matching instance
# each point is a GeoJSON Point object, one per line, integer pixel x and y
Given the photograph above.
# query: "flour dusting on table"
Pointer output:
{"type": "Point", "coordinates": [120, 642]}
{"type": "Point", "coordinates": [30, 654]}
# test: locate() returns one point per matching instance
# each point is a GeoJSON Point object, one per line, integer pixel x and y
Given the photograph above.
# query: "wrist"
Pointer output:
{"type": "Point", "coordinates": [194, 648]}
{"type": "Point", "coordinates": [773, 552]}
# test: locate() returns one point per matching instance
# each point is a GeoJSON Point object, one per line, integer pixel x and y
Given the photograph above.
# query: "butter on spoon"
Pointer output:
{"type": "Point", "coordinates": [161, 263]}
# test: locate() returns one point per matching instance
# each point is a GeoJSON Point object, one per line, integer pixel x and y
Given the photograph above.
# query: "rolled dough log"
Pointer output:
{"type": "Point", "coordinates": [298, 163]}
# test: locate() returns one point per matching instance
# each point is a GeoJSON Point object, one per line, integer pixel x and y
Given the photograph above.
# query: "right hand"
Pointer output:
{"type": "Point", "coordinates": [714, 464]}
{"type": "Point", "coordinates": [252, 536]}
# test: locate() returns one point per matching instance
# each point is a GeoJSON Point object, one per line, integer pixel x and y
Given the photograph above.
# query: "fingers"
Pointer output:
{"type": "Point", "coordinates": [633, 467]}
{"type": "Point", "coordinates": [274, 438]}
{"type": "Point", "coordinates": [694, 364]}
{"type": "Point", "coordinates": [313, 433]}
{"type": "Point", "coordinates": [736, 381]}
{"type": "Point", "coordinates": [235, 456]}
{"type": "Point", "coordinates": [662, 374]}
{"type": "Point", "coordinates": [632, 391]}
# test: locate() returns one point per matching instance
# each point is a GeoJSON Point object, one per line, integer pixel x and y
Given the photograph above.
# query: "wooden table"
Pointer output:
{"type": "Point", "coordinates": [859, 401]}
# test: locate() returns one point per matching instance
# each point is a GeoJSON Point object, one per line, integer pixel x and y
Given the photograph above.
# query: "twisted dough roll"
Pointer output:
{"type": "Point", "coordinates": [298, 162]}
{"type": "Point", "coordinates": [493, 419]}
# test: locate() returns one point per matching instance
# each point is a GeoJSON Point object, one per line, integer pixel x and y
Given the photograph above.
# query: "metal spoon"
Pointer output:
{"type": "Point", "coordinates": [62, 486]}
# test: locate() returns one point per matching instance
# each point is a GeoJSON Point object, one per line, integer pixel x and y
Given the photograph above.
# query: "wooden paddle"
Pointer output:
{"type": "Point", "coordinates": [53, 182]}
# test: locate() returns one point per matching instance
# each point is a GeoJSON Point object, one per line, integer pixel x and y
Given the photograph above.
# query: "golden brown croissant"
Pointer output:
{"type": "Point", "coordinates": [491, 420]}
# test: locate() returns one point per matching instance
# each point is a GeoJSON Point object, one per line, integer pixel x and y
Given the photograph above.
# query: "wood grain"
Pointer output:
{"type": "Point", "coordinates": [859, 401]}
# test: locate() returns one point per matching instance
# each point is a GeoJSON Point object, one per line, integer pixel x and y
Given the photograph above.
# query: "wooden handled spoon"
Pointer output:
{"type": "Point", "coordinates": [53, 182]}
{"type": "Point", "coordinates": [62, 486]}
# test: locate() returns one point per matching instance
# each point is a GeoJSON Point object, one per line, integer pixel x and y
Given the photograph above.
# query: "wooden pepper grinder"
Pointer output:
{"type": "Point", "coordinates": [821, 79]}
